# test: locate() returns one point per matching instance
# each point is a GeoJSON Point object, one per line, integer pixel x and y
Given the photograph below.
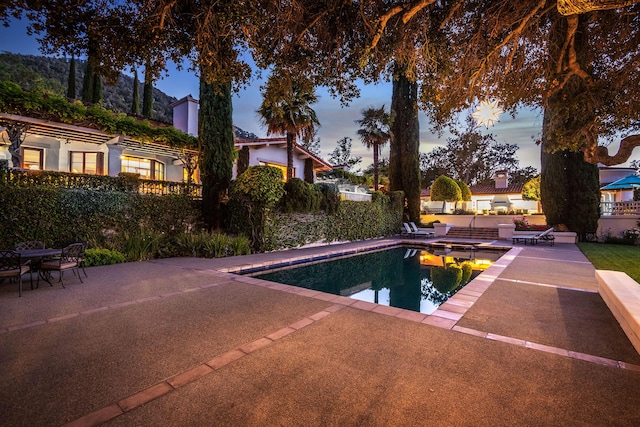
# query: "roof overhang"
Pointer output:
{"type": "Point", "coordinates": [71, 133]}
{"type": "Point", "coordinates": [318, 163]}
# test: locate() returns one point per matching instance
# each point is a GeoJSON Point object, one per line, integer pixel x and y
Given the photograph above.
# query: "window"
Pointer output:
{"type": "Point", "coordinates": [86, 162]}
{"type": "Point", "coordinates": [283, 168]}
{"type": "Point", "coordinates": [147, 168]}
{"type": "Point", "coordinates": [32, 158]}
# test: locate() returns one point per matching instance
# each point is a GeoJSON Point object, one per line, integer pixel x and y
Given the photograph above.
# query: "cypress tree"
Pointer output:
{"type": "Point", "coordinates": [71, 84]}
{"type": "Point", "coordinates": [404, 158]}
{"type": "Point", "coordinates": [215, 130]}
{"type": "Point", "coordinates": [98, 95]}
{"type": "Point", "coordinates": [583, 195]}
{"type": "Point", "coordinates": [88, 82]}
{"type": "Point", "coordinates": [135, 104]}
{"type": "Point", "coordinates": [147, 94]}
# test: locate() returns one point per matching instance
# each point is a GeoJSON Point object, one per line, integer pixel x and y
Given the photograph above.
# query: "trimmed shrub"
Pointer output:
{"type": "Point", "coordinates": [464, 191]}
{"type": "Point", "coordinates": [445, 189]}
{"type": "Point", "coordinates": [300, 196]}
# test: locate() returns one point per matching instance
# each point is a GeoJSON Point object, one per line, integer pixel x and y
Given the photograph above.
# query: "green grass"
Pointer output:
{"type": "Point", "coordinates": [606, 256]}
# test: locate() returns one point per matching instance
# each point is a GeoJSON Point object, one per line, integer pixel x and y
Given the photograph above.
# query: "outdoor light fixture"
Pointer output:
{"type": "Point", "coordinates": [487, 113]}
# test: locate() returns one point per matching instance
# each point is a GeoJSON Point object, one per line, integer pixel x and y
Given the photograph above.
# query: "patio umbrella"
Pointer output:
{"type": "Point", "coordinates": [626, 183]}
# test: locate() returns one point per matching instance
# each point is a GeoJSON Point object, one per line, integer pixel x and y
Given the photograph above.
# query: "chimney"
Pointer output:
{"type": "Point", "coordinates": [185, 115]}
{"type": "Point", "coordinates": [502, 179]}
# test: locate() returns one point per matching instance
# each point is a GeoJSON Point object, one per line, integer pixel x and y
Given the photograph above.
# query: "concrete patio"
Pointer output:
{"type": "Point", "coordinates": [183, 342]}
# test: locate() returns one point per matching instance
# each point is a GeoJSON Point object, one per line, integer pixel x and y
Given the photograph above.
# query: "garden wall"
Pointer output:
{"type": "Point", "coordinates": [616, 225]}
{"type": "Point", "coordinates": [491, 221]}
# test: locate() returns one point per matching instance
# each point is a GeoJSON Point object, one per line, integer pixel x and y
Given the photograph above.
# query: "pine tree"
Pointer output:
{"type": "Point", "coordinates": [135, 104]}
{"type": "Point", "coordinates": [71, 84]}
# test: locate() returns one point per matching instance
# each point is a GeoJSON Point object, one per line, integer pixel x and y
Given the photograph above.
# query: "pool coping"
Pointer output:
{"type": "Point", "coordinates": [446, 316]}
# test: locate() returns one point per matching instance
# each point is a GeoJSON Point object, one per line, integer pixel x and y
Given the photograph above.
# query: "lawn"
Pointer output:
{"type": "Point", "coordinates": [606, 256]}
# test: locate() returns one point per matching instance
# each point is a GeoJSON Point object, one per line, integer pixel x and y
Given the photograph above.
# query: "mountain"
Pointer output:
{"type": "Point", "coordinates": [40, 72]}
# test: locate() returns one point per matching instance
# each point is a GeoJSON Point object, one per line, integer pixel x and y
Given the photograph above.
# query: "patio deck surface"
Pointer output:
{"type": "Point", "coordinates": [182, 342]}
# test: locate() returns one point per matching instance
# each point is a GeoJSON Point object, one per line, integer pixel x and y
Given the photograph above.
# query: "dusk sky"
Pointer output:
{"type": "Point", "coordinates": [336, 121]}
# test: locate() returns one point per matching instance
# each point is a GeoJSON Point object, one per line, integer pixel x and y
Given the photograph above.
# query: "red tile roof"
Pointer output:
{"type": "Point", "coordinates": [491, 189]}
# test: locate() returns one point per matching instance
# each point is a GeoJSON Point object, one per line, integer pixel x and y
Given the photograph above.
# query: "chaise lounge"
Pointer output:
{"type": "Point", "coordinates": [544, 237]}
{"type": "Point", "coordinates": [410, 229]}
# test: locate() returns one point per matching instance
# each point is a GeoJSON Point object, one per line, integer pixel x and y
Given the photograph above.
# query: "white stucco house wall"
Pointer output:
{"type": "Point", "coordinates": [62, 147]}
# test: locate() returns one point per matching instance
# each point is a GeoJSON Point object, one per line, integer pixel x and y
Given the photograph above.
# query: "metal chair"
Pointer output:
{"type": "Point", "coordinates": [11, 267]}
{"type": "Point", "coordinates": [70, 259]}
{"type": "Point", "coordinates": [31, 244]}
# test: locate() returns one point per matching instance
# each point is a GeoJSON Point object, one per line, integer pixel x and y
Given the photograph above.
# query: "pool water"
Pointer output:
{"type": "Point", "coordinates": [412, 278]}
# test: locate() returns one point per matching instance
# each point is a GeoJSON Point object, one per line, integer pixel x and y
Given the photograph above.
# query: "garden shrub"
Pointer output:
{"type": "Point", "coordinates": [251, 197]}
{"type": "Point", "coordinates": [330, 198]}
{"type": "Point", "coordinates": [464, 191]}
{"type": "Point", "coordinates": [300, 196]}
{"type": "Point", "coordinates": [102, 256]}
{"type": "Point", "coordinates": [445, 189]}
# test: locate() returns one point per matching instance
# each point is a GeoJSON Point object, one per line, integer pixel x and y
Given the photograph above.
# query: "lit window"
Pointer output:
{"type": "Point", "coordinates": [147, 168]}
{"type": "Point", "coordinates": [86, 162]}
{"type": "Point", "coordinates": [281, 167]}
{"type": "Point", "coordinates": [32, 158]}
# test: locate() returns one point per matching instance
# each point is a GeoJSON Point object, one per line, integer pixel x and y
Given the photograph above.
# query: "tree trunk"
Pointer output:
{"type": "Point", "coordinates": [404, 159]}
{"type": "Point", "coordinates": [569, 187]}
{"type": "Point", "coordinates": [375, 167]}
{"type": "Point", "coordinates": [291, 140]}
{"type": "Point", "coordinates": [215, 130]}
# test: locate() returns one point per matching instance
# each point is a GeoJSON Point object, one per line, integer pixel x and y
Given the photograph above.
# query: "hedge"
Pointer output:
{"type": "Point", "coordinates": [59, 216]}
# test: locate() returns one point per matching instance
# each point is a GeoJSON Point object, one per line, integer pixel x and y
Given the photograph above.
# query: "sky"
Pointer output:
{"type": "Point", "coordinates": [336, 121]}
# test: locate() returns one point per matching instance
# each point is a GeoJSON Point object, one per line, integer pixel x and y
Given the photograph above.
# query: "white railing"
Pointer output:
{"type": "Point", "coordinates": [356, 197]}
{"type": "Point", "coordinates": [619, 208]}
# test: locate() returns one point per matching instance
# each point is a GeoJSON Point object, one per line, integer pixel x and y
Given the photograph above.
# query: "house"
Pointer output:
{"type": "Point", "coordinates": [62, 147]}
{"type": "Point", "coordinates": [502, 196]}
{"type": "Point", "coordinates": [261, 151]}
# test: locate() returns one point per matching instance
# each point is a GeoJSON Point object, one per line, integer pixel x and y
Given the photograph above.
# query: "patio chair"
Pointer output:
{"type": "Point", "coordinates": [70, 259]}
{"type": "Point", "coordinates": [31, 244]}
{"type": "Point", "coordinates": [11, 267]}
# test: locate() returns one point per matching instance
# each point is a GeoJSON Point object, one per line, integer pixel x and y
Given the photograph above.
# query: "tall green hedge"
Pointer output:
{"type": "Point", "coordinates": [350, 221]}
{"type": "Point", "coordinates": [60, 216]}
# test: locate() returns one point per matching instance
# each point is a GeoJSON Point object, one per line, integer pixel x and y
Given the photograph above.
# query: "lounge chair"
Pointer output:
{"type": "Point", "coordinates": [413, 231]}
{"type": "Point", "coordinates": [544, 237]}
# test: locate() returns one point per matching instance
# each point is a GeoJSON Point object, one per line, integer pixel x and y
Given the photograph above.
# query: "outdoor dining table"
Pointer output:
{"type": "Point", "coordinates": [35, 255]}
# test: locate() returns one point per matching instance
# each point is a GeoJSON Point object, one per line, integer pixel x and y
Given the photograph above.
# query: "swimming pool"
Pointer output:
{"type": "Point", "coordinates": [408, 277]}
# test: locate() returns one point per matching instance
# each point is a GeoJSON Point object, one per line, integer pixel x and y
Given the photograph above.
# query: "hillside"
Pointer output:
{"type": "Point", "coordinates": [31, 72]}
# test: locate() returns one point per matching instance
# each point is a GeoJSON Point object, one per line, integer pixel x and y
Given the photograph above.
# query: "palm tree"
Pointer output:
{"type": "Point", "coordinates": [286, 109]}
{"type": "Point", "coordinates": [374, 132]}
